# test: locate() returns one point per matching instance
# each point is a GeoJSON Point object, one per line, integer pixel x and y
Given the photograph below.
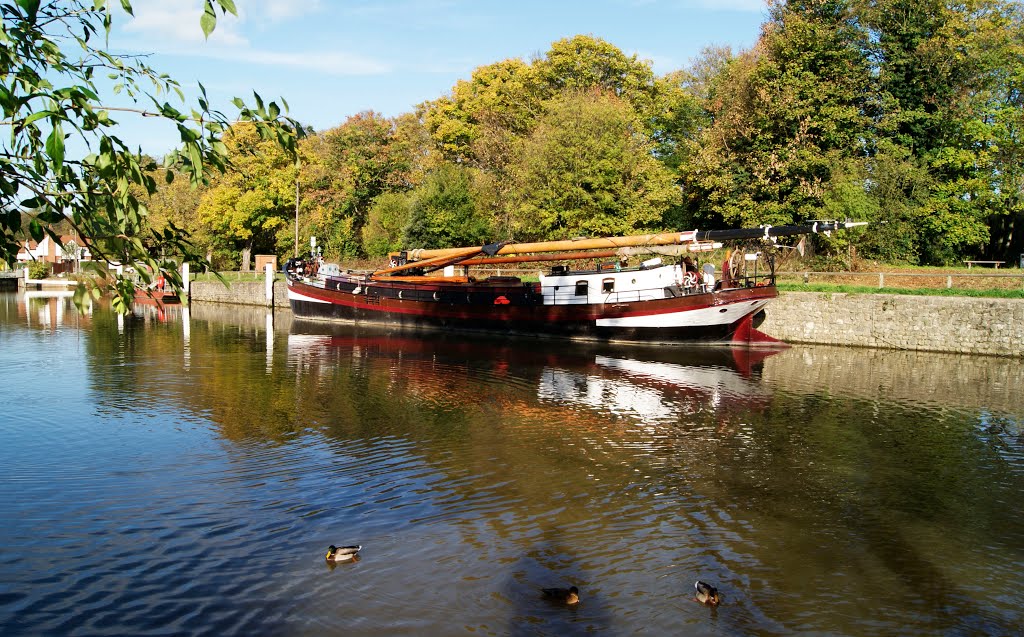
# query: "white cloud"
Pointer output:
{"type": "Point", "coordinates": [159, 28]}
{"type": "Point", "coordinates": [277, 10]}
{"type": "Point", "coordinates": [156, 21]}
{"type": "Point", "coordinates": [329, 62]}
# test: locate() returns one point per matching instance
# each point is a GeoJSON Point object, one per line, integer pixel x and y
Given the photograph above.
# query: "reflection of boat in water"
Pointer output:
{"type": "Point", "coordinates": [612, 301]}
{"type": "Point", "coordinates": [648, 385]}
{"type": "Point", "coordinates": [652, 390]}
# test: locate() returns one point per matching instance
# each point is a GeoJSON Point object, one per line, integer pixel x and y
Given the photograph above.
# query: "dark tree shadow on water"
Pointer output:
{"type": "Point", "coordinates": [550, 565]}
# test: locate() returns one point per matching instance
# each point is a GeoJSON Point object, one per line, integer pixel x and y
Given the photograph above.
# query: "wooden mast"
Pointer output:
{"type": "Point", "coordinates": [609, 243]}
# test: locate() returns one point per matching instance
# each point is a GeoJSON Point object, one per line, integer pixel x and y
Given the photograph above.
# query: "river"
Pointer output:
{"type": "Point", "coordinates": [183, 472]}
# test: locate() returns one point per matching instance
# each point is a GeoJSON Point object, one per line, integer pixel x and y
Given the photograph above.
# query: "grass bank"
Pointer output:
{"type": "Point", "coordinates": [920, 291]}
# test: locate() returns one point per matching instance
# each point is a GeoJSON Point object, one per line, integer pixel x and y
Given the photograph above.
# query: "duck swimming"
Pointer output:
{"type": "Point", "coordinates": [569, 595]}
{"type": "Point", "coordinates": [707, 594]}
{"type": "Point", "coordinates": [342, 553]}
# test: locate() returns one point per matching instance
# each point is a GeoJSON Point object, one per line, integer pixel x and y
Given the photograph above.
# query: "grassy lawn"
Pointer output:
{"type": "Point", "coordinates": [903, 279]}
{"type": "Point", "coordinates": [920, 291]}
{"type": "Point", "coordinates": [232, 277]}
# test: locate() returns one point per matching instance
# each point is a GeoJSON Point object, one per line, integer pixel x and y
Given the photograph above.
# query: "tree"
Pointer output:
{"type": "Point", "coordinates": [950, 75]}
{"type": "Point", "coordinates": [51, 56]}
{"type": "Point", "coordinates": [357, 161]}
{"type": "Point", "coordinates": [389, 215]}
{"type": "Point", "coordinates": [786, 119]}
{"type": "Point", "coordinates": [246, 206]}
{"type": "Point", "coordinates": [443, 213]}
{"type": "Point", "coordinates": [588, 169]}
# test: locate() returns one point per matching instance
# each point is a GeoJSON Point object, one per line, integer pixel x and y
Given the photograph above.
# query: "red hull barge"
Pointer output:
{"type": "Point", "coordinates": [649, 303]}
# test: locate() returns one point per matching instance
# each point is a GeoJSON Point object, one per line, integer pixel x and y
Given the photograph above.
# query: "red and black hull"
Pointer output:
{"type": "Point", "coordinates": [518, 309]}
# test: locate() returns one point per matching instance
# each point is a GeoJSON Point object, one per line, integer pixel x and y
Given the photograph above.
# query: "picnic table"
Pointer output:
{"type": "Point", "coordinates": [994, 264]}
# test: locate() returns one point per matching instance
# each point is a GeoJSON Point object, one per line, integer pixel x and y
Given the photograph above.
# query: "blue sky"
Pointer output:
{"type": "Point", "coordinates": [333, 58]}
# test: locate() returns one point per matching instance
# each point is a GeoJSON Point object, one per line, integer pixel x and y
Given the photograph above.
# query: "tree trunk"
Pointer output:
{"type": "Point", "coordinates": [246, 257]}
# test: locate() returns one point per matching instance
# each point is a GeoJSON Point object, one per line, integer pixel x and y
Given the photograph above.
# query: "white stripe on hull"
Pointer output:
{"type": "Point", "coordinates": [715, 315]}
{"type": "Point", "coordinates": [292, 294]}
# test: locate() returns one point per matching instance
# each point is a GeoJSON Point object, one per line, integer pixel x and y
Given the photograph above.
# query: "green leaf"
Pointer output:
{"type": "Point", "coordinates": [31, 7]}
{"type": "Point", "coordinates": [228, 5]}
{"type": "Point", "coordinates": [55, 146]}
{"type": "Point", "coordinates": [35, 230]}
{"type": "Point", "coordinates": [36, 116]}
{"type": "Point", "coordinates": [208, 21]}
{"type": "Point", "coordinates": [127, 6]}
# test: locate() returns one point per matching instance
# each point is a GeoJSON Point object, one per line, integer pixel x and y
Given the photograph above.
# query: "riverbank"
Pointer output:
{"type": "Point", "coordinates": [962, 325]}
{"type": "Point", "coordinates": [988, 326]}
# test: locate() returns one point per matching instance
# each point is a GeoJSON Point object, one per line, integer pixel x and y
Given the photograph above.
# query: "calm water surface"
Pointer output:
{"type": "Point", "coordinates": [184, 473]}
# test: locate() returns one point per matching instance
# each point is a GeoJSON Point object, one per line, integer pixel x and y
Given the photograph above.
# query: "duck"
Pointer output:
{"type": "Point", "coordinates": [342, 553]}
{"type": "Point", "coordinates": [569, 595]}
{"type": "Point", "coordinates": [707, 594]}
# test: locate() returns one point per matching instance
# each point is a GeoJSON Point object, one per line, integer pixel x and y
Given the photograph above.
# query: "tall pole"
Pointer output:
{"type": "Point", "coordinates": [296, 215]}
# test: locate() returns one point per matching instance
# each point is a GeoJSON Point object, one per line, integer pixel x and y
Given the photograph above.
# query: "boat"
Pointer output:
{"type": "Point", "coordinates": [664, 298]}
{"type": "Point", "coordinates": [156, 296]}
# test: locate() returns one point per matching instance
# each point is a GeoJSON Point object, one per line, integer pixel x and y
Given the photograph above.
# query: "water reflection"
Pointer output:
{"type": "Point", "coordinates": [824, 490]}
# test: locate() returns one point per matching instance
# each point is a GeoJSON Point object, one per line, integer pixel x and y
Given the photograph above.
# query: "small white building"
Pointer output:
{"type": "Point", "coordinates": [64, 259]}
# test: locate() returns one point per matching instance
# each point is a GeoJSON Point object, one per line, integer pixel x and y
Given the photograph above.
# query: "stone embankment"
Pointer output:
{"type": "Point", "coordinates": [921, 323]}
{"type": "Point", "coordinates": [924, 323]}
{"type": "Point", "coordinates": [238, 292]}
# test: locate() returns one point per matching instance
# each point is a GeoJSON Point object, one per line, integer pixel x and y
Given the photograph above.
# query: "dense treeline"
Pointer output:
{"type": "Point", "coordinates": [904, 113]}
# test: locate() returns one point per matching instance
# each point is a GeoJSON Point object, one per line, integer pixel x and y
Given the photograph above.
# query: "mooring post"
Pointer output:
{"type": "Point", "coordinates": [268, 269]}
{"type": "Point", "coordinates": [881, 280]}
{"type": "Point", "coordinates": [186, 282]}
{"type": "Point", "coordinates": [949, 282]}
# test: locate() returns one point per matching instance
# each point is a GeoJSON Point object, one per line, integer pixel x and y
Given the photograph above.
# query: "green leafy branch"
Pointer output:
{"type": "Point", "coordinates": [51, 54]}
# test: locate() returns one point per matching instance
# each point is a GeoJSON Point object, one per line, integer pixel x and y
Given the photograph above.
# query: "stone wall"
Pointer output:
{"type": "Point", "coordinates": [925, 323]}
{"type": "Point", "coordinates": [238, 292]}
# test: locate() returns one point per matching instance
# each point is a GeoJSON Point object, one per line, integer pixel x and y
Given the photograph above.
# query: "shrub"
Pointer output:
{"type": "Point", "coordinates": [38, 270]}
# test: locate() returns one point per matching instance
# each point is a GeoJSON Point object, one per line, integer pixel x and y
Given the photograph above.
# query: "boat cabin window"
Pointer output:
{"type": "Point", "coordinates": [581, 288]}
{"type": "Point", "coordinates": [608, 285]}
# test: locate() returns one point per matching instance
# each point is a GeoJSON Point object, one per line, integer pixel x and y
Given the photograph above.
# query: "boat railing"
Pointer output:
{"type": "Point", "coordinates": [568, 296]}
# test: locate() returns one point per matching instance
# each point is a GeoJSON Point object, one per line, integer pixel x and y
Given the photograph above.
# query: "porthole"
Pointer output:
{"type": "Point", "coordinates": [723, 310]}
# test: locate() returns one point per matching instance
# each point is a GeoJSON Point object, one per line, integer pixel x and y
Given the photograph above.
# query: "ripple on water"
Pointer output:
{"type": "Point", "coordinates": [474, 477]}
